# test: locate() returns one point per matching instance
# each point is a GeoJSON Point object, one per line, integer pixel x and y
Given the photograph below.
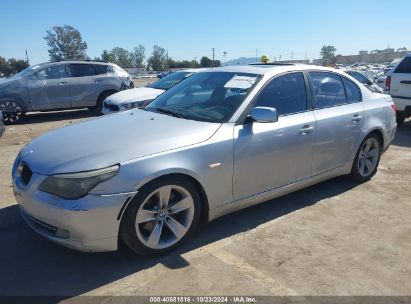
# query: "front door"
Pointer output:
{"type": "Point", "coordinates": [271, 155]}
{"type": "Point", "coordinates": [48, 88]}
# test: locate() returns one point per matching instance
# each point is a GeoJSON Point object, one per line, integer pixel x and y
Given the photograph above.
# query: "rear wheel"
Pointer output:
{"type": "Point", "coordinates": [12, 111]}
{"type": "Point", "coordinates": [400, 118]}
{"type": "Point", "coordinates": [161, 216]}
{"type": "Point", "coordinates": [367, 159]}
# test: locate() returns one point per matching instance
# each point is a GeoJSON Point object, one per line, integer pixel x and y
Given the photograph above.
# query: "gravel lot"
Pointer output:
{"type": "Point", "coordinates": [335, 238]}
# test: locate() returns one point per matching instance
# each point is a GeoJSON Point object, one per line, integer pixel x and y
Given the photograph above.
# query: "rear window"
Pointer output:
{"type": "Point", "coordinates": [101, 69]}
{"type": "Point", "coordinates": [328, 89]}
{"type": "Point", "coordinates": [404, 66]}
{"type": "Point", "coordinates": [81, 70]}
{"type": "Point", "coordinates": [352, 91]}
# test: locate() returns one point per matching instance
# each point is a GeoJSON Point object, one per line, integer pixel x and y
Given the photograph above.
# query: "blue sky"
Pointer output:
{"type": "Point", "coordinates": [189, 29]}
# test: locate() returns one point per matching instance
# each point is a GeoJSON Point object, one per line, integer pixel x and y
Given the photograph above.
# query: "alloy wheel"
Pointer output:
{"type": "Point", "coordinates": [12, 112]}
{"type": "Point", "coordinates": [165, 217]}
{"type": "Point", "coordinates": [368, 158]}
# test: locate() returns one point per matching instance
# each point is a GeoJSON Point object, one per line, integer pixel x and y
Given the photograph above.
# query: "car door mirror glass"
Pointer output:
{"type": "Point", "coordinates": [264, 114]}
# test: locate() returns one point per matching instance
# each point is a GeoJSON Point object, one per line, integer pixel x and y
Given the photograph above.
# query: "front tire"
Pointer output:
{"type": "Point", "coordinates": [162, 215]}
{"type": "Point", "coordinates": [367, 159]}
{"type": "Point", "coordinates": [12, 111]}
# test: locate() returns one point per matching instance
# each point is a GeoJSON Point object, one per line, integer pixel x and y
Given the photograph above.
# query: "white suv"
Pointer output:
{"type": "Point", "coordinates": [398, 85]}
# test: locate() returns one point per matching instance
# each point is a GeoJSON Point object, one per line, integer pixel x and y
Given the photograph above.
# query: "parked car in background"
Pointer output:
{"type": "Point", "coordinates": [61, 85]}
{"type": "Point", "coordinates": [398, 85]}
{"type": "Point", "coordinates": [2, 128]}
{"type": "Point", "coordinates": [219, 141]}
{"type": "Point", "coordinates": [140, 97]}
{"type": "Point", "coordinates": [362, 77]}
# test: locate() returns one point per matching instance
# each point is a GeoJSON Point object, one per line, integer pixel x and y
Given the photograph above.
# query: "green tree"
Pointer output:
{"type": "Point", "coordinates": [137, 56]}
{"type": "Point", "coordinates": [206, 62]}
{"type": "Point", "coordinates": [158, 60]}
{"type": "Point", "coordinates": [12, 66]}
{"type": "Point", "coordinates": [4, 69]}
{"type": "Point", "coordinates": [328, 55]}
{"type": "Point", "coordinates": [17, 65]}
{"type": "Point", "coordinates": [108, 56]}
{"type": "Point", "coordinates": [65, 43]}
{"type": "Point", "coordinates": [122, 57]}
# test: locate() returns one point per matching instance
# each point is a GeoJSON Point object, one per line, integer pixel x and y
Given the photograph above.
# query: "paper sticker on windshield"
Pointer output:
{"type": "Point", "coordinates": [240, 82]}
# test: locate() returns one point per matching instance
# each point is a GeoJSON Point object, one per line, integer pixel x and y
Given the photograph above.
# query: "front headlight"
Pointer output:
{"type": "Point", "coordinates": [136, 104]}
{"type": "Point", "coordinates": [76, 185]}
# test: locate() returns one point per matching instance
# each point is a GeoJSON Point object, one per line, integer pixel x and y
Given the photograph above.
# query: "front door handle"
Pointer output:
{"type": "Point", "coordinates": [356, 118]}
{"type": "Point", "coordinates": [306, 129]}
{"type": "Point", "coordinates": [62, 82]}
{"type": "Point", "coordinates": [98, 80]}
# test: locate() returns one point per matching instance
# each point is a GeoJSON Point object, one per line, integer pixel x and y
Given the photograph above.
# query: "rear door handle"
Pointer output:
{"type": "Point", "coordinates": [62, 82]}
{"type": "Point", "coordinates": [98, 80]}
{"type": "Point", "coordinates": [306, 129]}
{"type": "Point", "coordinates": [356, 118]}
{"type": "Point", "coordinates": [405, 81]}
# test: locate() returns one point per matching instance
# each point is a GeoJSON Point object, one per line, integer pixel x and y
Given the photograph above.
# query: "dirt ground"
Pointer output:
{"type": "Point", "coordinates": [335, 238]}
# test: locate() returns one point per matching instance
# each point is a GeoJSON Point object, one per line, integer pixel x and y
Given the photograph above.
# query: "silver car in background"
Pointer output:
{"type": "Point", "coordinates": [141, 97]}
{"type": "Point", "coordinates": [61, 85]}
{"type": "Point", "coordinates": [217, 142]}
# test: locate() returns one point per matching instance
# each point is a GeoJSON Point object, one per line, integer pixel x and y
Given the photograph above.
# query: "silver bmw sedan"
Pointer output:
{"type": "Point", "coordinates": [217, 142]}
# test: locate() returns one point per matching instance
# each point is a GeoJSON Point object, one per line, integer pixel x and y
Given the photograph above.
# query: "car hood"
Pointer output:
{"type": "Point", "coordinates": [8, 82]}
{"type": "Point", "coordinates": [112, 139]}
{"type": "Point", "coordinates": [137, 94]}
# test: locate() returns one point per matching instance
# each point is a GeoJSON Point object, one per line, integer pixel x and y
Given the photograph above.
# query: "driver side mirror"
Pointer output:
{"type": "Point", "coordinates": [264, 114]}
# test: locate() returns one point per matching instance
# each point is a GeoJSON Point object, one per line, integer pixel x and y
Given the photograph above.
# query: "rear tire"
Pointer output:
{"type": "Point", "coordinates": [400, 118]}
{"type": "Point", "coordinates": [162, 215]}
{"type": "Point", "coordinates": [367, 159]}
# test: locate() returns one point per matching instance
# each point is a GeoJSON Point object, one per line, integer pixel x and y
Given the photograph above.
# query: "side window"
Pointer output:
{"type": "Point", "coordinates": [404, 66]}
{"type": "Point", "coordinates": [101, 69]}
{"type": "Point", "coordinates": [285, 93]}
{"type": "Point", "coordinates": [328, 89]}
{"type": "Point", "coordinates": [52, 72]}
{"type": "Point", "coordinates": [352, 91]}
{"type": "Point", "coordinates": [81, 70]}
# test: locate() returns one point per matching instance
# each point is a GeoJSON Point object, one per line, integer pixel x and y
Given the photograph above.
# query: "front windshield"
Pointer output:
{"type": "Point", "coordinates": [207, 96]}
{"type": "Point", "coordinates": [26, 71]}
{"type": "Point", "coordinates": [169, 81]}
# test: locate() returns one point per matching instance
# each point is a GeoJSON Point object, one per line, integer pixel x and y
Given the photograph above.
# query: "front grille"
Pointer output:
{"type": "Point", "coordinates": [112, 107]}
{"type": "Point", "coordinates": [26, 174]}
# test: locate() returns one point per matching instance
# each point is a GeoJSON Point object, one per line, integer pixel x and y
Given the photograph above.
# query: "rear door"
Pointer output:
{"type": "Point", "coordinates": [48, 88]}
{"type": "Point", "coordinates": [85, 86]}
{"type": "Point", "coordinates": [339, 113]}
{"type": "Point", "coordinates": [401, 80]}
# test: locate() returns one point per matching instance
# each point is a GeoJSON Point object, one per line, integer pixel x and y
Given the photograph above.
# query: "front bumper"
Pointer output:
{"type": "Point", "coordinates": [88, 224]}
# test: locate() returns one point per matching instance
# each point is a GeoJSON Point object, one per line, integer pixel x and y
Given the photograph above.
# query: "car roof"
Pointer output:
{"type": "Point", "coordinates": [269, 69]}
{"type": "Point", "coordinates": [194, 70]}
{"type": "Point", "coordinates": [76, 61]}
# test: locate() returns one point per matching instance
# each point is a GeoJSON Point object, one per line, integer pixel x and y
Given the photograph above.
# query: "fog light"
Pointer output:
{"type": "Point", "coordinates": [65, 234]}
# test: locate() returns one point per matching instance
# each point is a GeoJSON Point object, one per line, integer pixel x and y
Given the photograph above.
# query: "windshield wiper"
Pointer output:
{"type": "Point", "coordinates": [172, 113]}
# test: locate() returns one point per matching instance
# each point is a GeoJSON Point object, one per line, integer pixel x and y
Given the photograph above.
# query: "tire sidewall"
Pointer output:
{"type": "Point", "coordinates": [127, 230]}
{"type": "Point", "coordinates": [99, 105]}
{"type": "Point", "coordinates": [355, 173]}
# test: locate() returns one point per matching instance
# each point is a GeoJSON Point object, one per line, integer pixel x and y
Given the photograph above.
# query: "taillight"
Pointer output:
{"type": "Point", "coordinates": [388, 83]}
{"type": "Point", "coordinates": [394, 107]}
